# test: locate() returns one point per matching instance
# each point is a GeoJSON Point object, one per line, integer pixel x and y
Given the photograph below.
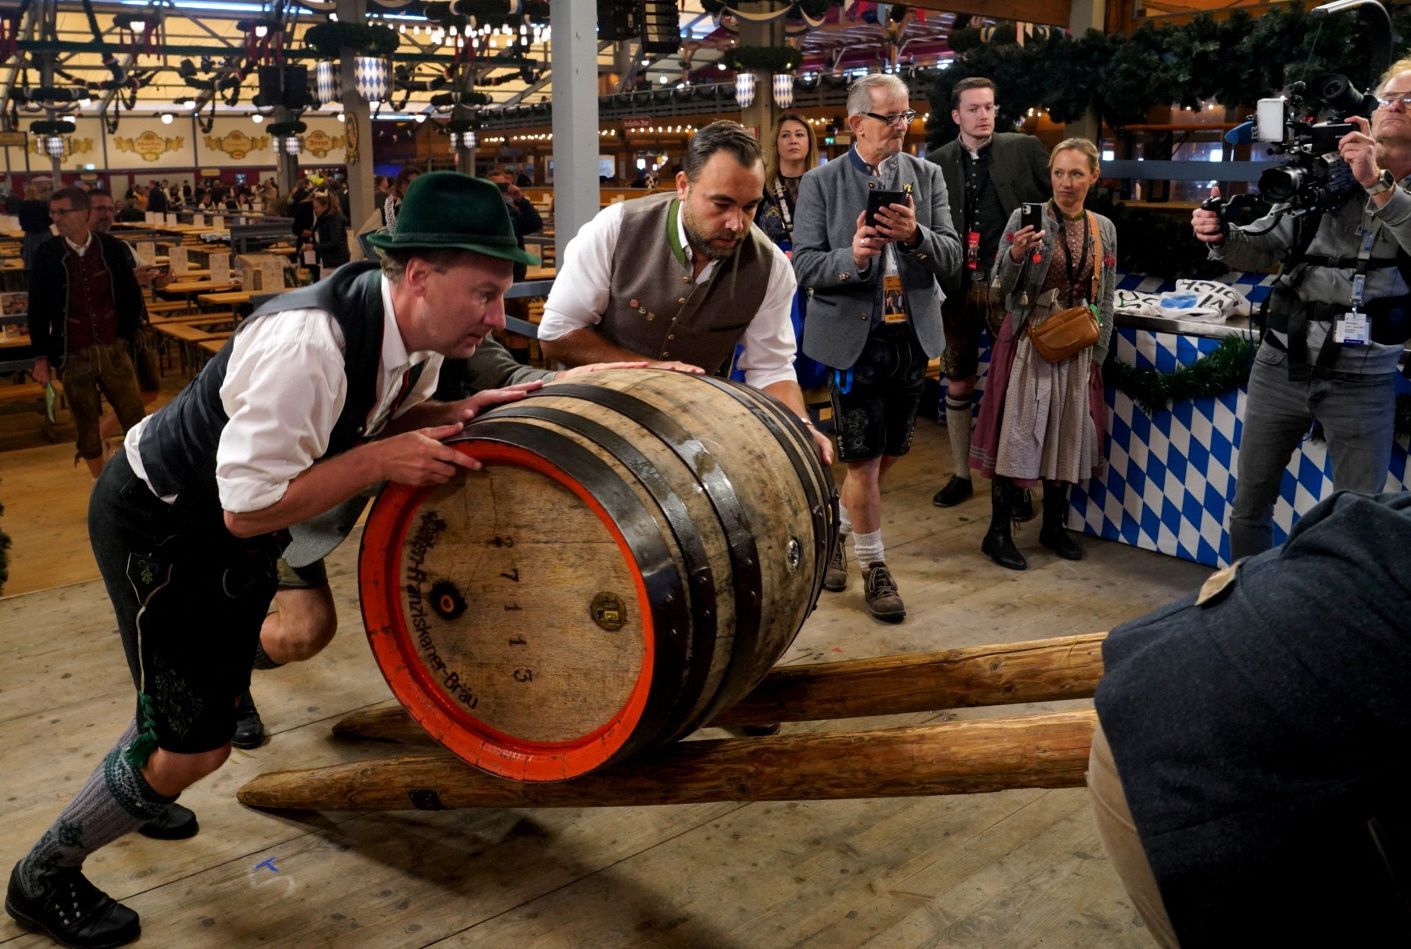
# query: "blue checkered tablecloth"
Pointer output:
{"type": "Point", "coordinates": [1170, 477]}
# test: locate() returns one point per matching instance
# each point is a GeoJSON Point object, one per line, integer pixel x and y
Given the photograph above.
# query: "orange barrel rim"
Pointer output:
{"type": "Point", "coordinates": [393, 642]}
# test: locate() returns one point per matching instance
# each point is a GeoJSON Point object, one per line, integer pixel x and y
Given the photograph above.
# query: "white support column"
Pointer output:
{"type": "Point", "coordinates": [574, 89]}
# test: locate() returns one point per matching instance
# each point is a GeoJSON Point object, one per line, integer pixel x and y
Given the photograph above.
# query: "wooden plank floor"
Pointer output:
{"type": "Point", "coordinates": [1017, 868]}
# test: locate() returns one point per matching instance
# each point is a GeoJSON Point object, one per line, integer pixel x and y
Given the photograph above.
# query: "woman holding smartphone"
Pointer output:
{"type": "Point", "coordinates": [1039, 420]}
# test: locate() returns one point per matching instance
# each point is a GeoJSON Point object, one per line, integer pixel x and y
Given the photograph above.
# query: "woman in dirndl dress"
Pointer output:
{"type": "Point", "coordinates": [1042, 421]}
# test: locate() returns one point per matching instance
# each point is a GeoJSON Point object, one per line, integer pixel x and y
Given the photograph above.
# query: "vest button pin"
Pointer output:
{"type": "Point", "coordinates": [682, 300]}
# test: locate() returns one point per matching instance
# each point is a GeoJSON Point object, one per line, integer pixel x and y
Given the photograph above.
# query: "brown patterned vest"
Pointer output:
{"type": "Point", "coordinates": [655, 308]}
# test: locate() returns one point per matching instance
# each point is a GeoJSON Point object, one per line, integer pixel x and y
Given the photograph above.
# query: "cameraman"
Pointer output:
{"type": "Point", "coordinates": [1326, 355]}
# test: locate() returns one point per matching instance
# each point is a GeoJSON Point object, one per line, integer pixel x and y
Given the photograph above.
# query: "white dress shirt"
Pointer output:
{"type": "Point", "coordinates": [580, 295]}
{"type": "Point", "coordinates": [284, 389]}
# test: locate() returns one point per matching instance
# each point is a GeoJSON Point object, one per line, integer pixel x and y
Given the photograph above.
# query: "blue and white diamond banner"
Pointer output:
{"type": "Point", "coordinates": [1170, 478]}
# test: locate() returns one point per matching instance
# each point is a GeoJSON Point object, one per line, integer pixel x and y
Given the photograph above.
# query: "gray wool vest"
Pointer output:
{"type": "Point", "coordinates": [655, 308]}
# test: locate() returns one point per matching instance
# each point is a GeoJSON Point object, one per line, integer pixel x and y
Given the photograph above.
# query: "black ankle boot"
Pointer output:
{"type": "Point", "coordinates": [998, 544]}
{"type": "Point", "coordinates": [1053, 534]}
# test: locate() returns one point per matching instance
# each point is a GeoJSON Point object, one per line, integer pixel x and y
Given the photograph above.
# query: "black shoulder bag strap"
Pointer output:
{"type": "Point", "coordinates": [1305, 228]}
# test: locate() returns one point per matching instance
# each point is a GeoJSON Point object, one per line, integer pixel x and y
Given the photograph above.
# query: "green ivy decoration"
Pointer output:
{"type": "Point", "coordinates": [1235, 61]}
{"type": "Point", "coordinates": [1210, 376]}
{"type": "Point", "coordinates": [329, 39]}
{"type": "Point", "coordinates": [765, 58]}
{"type": "Point", "coordinates": [1225, 369]}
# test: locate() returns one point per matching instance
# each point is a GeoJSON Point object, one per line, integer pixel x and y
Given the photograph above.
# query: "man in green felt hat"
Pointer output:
{"type": "Point", "coordinates": [319, 394]}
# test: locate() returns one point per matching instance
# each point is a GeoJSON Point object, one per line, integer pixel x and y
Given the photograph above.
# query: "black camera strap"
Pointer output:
{"type": "Point", "coordinates": [1295, 321]}
{"type": "Point", "coordinates": [1302, 313]}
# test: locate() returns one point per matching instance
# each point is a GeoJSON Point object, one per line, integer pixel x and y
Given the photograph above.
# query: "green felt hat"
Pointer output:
{"type": "Point", "coordinates": [446, 209]}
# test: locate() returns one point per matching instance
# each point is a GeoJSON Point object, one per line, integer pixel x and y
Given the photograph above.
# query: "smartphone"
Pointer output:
{"type": "Point", "coordinates": [880, 199]}
{"type": "Point", "coordinates": [1032, 216]}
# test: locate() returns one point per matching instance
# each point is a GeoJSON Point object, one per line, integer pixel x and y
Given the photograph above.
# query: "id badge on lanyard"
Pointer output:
{"type": "Point", "coordinates": [893, 300]}
{"type": "Point", "coordinates": [1352, 328]}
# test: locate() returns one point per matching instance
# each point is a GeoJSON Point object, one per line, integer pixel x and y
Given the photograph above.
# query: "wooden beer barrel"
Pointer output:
{"type": "Point", "coordinates": [638, 551]}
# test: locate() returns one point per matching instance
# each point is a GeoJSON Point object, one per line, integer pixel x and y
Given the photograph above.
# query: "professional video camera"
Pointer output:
{"type": "Point", "coordinates": [1314, 177]}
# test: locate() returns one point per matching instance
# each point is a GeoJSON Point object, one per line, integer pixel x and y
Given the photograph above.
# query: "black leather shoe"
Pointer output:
{"type": "Point", "coordinates": [957, 489]}
{"type": "Point", "coordinates": [1021, 505]}
{"type": "Point", "coordinates": [249, 728]}
{"type": "Point", "coordinates": [71, 911]}
{"type": "Point", "coordinates": [999, 547]}
{"type": "Point", "coordinates": [1059, 542]}
{"type": "Point", "coordinates": [178, 823]}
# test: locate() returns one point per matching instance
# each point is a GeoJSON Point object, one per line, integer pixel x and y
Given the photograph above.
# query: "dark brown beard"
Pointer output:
{"type": "Point", "coordinates": [701, 243]}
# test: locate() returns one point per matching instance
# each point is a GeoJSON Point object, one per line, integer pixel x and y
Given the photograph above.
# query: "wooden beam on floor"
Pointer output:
{"type": "Point", "coordinates": [968, 757]}
{"type": "Point", "coordinates": [1041, 670]}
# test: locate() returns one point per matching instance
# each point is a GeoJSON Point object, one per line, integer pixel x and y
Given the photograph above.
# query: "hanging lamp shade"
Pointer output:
{"type": "Point", "coordinates": [54, 146]}
{"type": "Point", "coordinates": [784, 89]}
{"type": "Point", "coordinates": [326, 80]}
{"type": "Point", "coordinates": [373, 77]}
{"type": "Point", "coordinates": [744, 88]}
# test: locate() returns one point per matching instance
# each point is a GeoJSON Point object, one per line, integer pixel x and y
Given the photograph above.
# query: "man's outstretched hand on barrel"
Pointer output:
{"type": "Point", "coordinates": [431, 413]}
{"type": "Point", "coordinates": [467, 409]}
{"type": "Point", "coordinates": [422, 457]}
{"type": "Point", "coordinates": [577, 372]}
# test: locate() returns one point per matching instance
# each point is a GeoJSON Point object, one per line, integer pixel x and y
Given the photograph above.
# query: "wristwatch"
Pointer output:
{"type": "Point", "coordinates": [1385, 182]}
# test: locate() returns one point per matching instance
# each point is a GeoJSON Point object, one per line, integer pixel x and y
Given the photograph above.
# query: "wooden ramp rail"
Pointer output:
{"type": "Point", "coordinates": [964, 757]}
{"type": "Point", "coordinates": [970, 757]}
{"type": "Point", "coordinates": [1042, 670]}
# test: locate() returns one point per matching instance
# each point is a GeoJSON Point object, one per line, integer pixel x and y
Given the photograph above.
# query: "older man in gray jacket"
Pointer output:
{"type": "Point", "coordinates": [875, 316]}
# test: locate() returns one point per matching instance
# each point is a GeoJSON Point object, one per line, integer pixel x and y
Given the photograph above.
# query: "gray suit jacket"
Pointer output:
{"type": "Point", "coordinates": [1018, 170]}
{"type": "Point", "coordinates": [840, 311]}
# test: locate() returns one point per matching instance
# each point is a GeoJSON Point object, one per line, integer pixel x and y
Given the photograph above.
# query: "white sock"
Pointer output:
{"type": "Point", "coordinates": [844, 522]}
{"type": "Point", "coordinates": [958, 417]}
{"type": "Point", "coordinates": [868, 547]}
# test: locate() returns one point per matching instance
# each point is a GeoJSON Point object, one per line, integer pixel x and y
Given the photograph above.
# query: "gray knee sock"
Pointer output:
{"type": "Point", "coordinates": [115, 800]}
{"type": "Point", "coordinates": [958, 416]}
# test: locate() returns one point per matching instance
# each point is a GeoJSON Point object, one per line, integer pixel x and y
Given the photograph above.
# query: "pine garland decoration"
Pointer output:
{"type": "Point", "coordinates": [1225, 369]}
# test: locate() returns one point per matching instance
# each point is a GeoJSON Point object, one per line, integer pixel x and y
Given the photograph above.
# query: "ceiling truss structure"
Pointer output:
{"type": "Point", "coordinates": [200, 55]}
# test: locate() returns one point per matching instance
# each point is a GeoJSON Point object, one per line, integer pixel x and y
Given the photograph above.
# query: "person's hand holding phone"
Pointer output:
{"type": "Point", "coordinates": [896, 221]}
{"type": "Point", "coordinates": [866, 243]}
{"type": "Point", "coordinates": [1030, 233]}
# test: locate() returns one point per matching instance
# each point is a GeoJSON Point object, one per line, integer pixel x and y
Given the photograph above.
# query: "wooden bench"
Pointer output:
{"type": "Point", "coordinates": [21, 393]}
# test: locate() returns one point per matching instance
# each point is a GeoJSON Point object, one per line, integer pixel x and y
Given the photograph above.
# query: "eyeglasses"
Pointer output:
{"type": "Point", "coordinates": [904, 118]}
{"type": "Point", "coordinates": [58, 212]}
{"type": "Point", "coordinates": [1404, 98]}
